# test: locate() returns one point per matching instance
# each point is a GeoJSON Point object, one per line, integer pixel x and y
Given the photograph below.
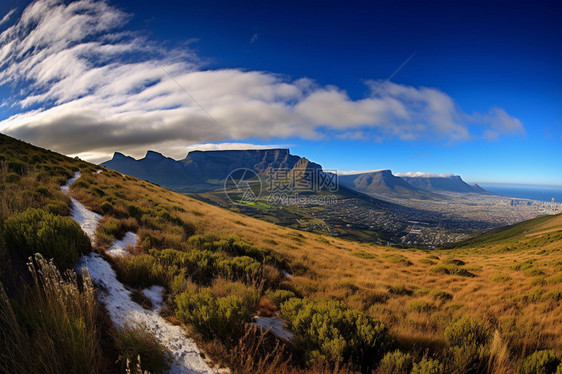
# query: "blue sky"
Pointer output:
{"type": "Point", "coordinates": [480, 94]}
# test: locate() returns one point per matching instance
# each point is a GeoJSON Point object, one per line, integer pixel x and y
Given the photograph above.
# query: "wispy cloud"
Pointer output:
{"type": "Point", "coordinates": [421, 174]}
{"type": "Point", "coordinates": [87, 86]}
{"type": "Point", "coordinates": [6, 18]}
{"type": "Point", "coordinates": [254, 38]}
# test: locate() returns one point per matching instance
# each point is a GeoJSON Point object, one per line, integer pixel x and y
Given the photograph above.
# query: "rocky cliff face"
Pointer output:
{"type": "Point", "coordinates": [441, 184]}
{"type": "Point", "coordinates": [205, 169]}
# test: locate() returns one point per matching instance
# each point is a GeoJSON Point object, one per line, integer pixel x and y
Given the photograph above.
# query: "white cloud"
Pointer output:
{"type": "Point", "coordinates": [87, 87]}
{"type": "Point", "coordinates": [354, 172]}
{"type": "Point", "coordinates": [6, 18]}
{"type": "Point", "coordinates": [421, 174]}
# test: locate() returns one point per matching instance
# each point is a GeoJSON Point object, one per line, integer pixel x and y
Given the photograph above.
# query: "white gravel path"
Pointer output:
{"type": "Point", "coordinates": [276, 326]}
{"type": "Point", "coordinates": [119, 247]}
{"type": "Point", "coordinates": [186, 356]}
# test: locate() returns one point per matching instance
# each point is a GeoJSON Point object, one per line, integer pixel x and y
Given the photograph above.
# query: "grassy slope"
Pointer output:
{"type": "Point", "coordinates": [514, 288]}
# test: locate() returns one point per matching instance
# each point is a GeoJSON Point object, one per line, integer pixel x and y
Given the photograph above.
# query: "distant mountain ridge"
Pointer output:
{"type": "Point", "coordinates": [437, 184]}
{"type": "Point", "coordinates": [207, 170]}
{"type": "Point", "coordinates": [382, 182]}
{"type": "Point", "coordinates": [203, 170]}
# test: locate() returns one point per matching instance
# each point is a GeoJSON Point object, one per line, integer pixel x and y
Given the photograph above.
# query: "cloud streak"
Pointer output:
{"type": "Point", "coordinates": [7, 17]}
{"type": "Point", "coordinates": [87, 86]}
{"type": "Point", "coordinates": [421, 174]}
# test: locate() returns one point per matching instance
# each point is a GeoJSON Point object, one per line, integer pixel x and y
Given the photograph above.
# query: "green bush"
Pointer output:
{"type": "Point", "coordinates": [57, 208]}
{"type": "Point", "coordinates": [395, 363]}
{"type": "Point", "coordinates": [36, 230]}
{"type": "Point", "coordinates": [467, 339]}
{"type": "Point", "coordinates": [42, 190]}
{"type": "Point", "coordinates": [452, 270]}
{"type": "Point", "coordinates": [239, 268]}
{"type": "Point", "coordinates": [106, 207]}
{"type": "Point", "coordinates": [419, 306]}
{"type": "Point", "coordinates": [539, 362]}
{"type": "Point", "coordinates": [400, 289]}
{"type": "Point", "coordinates": [426, 366]}
{"type": "Point", "coordinates": [12, 178]}
{"type": "Point", "coordinates": [330, 331]}
{"type": "Point", "coordinates": [199, 264]}
{"type": "Point", "coordinates": [278, 297]}
{"type": "Point", "coordinates": [140, 271]}
{"type": "Point", "coordinates": [134, 341]}
{"type": "Point", "coordinates": [221, 317]}
{"type": "Point", "coordinates": [466, 331]}
{"type": "Point", "coordinates": [17, 166]}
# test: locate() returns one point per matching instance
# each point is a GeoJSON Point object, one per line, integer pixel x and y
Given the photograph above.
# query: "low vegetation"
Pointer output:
{"type": "Point", "coordinates": [488, 305]}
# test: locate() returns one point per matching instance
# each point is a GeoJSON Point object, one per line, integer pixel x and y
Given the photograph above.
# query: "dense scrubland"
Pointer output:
{"type": "Point", "coordinates": [488, 305]}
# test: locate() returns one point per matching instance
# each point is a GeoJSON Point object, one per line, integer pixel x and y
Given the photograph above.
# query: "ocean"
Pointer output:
{"type": "Point", "coordinates": [540, 193]}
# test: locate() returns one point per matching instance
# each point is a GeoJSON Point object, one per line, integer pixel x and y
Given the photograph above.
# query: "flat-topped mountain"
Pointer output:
{"type": "Point", "coordinates": [441, 183]}
{"type": "Point", "coordinates": [382, 182]}
{"type": "Point", "coordinates": [201, 170]}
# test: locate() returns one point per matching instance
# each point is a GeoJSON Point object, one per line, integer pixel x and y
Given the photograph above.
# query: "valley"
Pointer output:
{"type": "Point", "coordinates": [375, 206]}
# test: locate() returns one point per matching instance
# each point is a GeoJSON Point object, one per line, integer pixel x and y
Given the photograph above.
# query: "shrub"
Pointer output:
{"type": "Point", "coordinates": [42, 190]}
{"type": "Point", "coordinates": [395, 363]}
{"type": "Point", "coordinates": [419, 306]}
{"type": "Point", "coordinates": [12, 178]}
{"type": "Point", "coordinates": [399, 259]}
{"type": "Point", "coordinates": [36, 230]}
{"type": "Point", "coordinates": [428, 366]}
{"type": "Point", "coordinates": [539, 362]}
{"type": "Point", "coordinates": [278, 297]}
{"type": "Point", "coordinates": [467, 339]}
{"type": "Point", "coordinates": [466, 331]}
{"type": "Point", "coordinates": [400, 289]}
{"type": "Point", "coordinates": [239, 268]}
{"type": "Point", "coordinates": [189, 229]}
{"type": "Point", "coordinates": [452, 270]}
{"type": "Point", "coordinates": [330, 331]}
{"type": "Point", "coordinates": [140, 271]}
{"type": "Point", "coordinates": [426, 261]}
{"type": "Point", "coordinates": [57, 208]}
{"type": "Point", "coordinates": [135, 211]}
{"type": "Point", "coordinates": [222, 317]}
{"type": "Point", "coordinates": [106, 207]}
{"type": "Point", "coordinates": [134, 341]}
{"type": "Point", "coordinates": [362, 254]}
{"type": "Point", "coordinates": [17, 166]}
{"type": "Point", "coordinates": [454, 261]}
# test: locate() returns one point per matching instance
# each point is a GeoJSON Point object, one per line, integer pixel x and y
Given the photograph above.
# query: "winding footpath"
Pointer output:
{"type": "Point", "coordinates": [187, 358]}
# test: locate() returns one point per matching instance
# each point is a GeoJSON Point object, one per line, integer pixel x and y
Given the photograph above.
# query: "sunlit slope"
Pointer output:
{"type": "Point", "coordinates": [548, 226]}
{"type": "Point", "coordinates": [508, 278]}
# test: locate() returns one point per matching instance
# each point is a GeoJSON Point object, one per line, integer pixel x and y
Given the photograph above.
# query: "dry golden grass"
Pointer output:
{"type": "Point", "coordinates": [513, 284]}
{"type": "Point", "coordinates": [510, 300]}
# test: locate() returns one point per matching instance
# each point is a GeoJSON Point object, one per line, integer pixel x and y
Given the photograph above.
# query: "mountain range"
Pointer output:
{"type": "Point", "coordinates": [207, 170]}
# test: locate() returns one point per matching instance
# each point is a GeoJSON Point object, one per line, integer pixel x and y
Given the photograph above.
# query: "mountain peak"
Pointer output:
{"type": "Point", "coordinates": [153, 155]}
{"type": "Point", "coordinates": [120, 156]}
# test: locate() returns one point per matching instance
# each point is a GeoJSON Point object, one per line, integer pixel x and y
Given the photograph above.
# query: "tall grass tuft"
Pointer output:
{"type": "Point", "coordinates": [55, 328]}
